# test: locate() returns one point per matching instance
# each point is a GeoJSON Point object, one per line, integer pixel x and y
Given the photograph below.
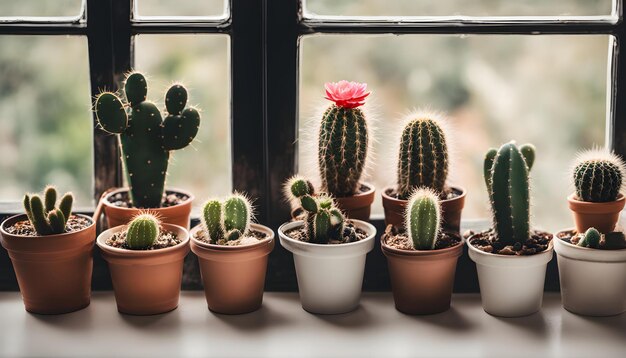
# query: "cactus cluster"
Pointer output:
{"type": "Point", "coordinates": [423, 219]}
{"type": "Point", "coordinates": [423, 156]}
{"type": "Point", "coordinates": [591, 238]}
{"type": "Point", "coordinates": [227, 220]}
{"type": "Point", "coordinates": [506, 173]}
{"type": "Point", "coordinates": [598, 176]}
{"type": "Point", "coordinates": [142, 232]}
{"type": "Point", "coordinates": [146, 138]}
{"type": "Point", "coordinates": [44, 215]}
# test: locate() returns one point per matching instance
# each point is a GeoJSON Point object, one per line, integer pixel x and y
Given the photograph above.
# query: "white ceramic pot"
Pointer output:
{"type": "Point", "coordinates": [593, 281]}
{"type": "Point", "coordinates": [511, 286]}
{"type": "Point", "coordinates": [330, 277]}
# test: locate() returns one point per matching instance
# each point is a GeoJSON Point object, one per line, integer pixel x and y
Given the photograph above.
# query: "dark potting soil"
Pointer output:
{"type": "Point", "coordinates": [350, 234]}
{"type": "Point", "coordinates": [487, 241]}
{"type": "Point", "coordinates": [25, 228]}
{"type": "Point", "coordinates": [170, 198]}
{"type": "Point", "coordinates": [448, 193]}
{"type": "Point", "coordinates": [610, 241]}
{"type": "Point", "coordinates": [251, 238]}
{"type": "Point", "coordinates": [166, 239]}
{"type": "Point", "coordinates": [397, 238]}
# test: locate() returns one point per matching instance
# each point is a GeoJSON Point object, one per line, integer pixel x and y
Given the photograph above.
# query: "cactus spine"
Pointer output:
{"type": "Point", "coordinates": [142, 232]}
{"type": "Point", "coordinates": [423, 219]}
{"type": "Point", "coordinates": [598, 176]}
{"type": "Point", "coordinates": [506, 174]}
{"type": "Point", "coordinates": [227, 220]}
{"type": "Point", "coordinates": [423, 157]}
{"type": "Point", "coordinates": [147, 139]}
{"type": "Point", "coordinates": [44, 215]}
{"type": "Point", "coordinates": [591, 238]}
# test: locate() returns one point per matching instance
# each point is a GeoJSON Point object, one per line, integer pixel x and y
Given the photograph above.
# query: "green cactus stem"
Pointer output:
{"type": "Point", "coordinates": [598, 176]}
{"type": "Point", "coordinates": [227, 220]}
{"type": "Point", "coordinates": [423, 219]}
{"type": "Point", "coordinates": [44, 215]}
{"type": "Point", "coordinates": [142, 232]}
{"type": "Point", "coordinates": [591, 238]}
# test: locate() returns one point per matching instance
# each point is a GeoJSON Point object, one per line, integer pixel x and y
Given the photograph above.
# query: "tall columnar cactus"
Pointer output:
{"type": "Point", "coordinates": [591, 238]}
{"type": "Point", "coordinates": [506, 175]}
{"type": "Point", "coordinates": [598, 176]}
{"type": "Point", "coordinates": [343, 138]}
{"type": "Point", "coordinates": [423, 219]}
{"type": "Point", "coordinates": [45, 217]}
{"type": "Point", "coordinates": [423, 157]}
{"type": "Point", "coordinates": [142, 232]}
{"type": "Point", "coordinates": [227, 220]}
{"type": "Point", "coordinates": [146, 138]}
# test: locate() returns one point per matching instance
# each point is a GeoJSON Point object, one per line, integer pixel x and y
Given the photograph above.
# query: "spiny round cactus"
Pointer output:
{"type": "Point", "coordinates": [44, 215]}
{"type": "Point", "coordinates": [227, 220]}
{"type": "Point", "coordinates": [591, 238]}
{"type": "Point", "coordinates": [142, 232]}
{"type": "Point", "coordinates": [423, 219]}
{"type": "Point", "coordinates": [423, 157]}
{"type": "Point", "coordinates": [343, 138]}
{"type": "Point", "coordinates": [598, 176]}
{"type": "Point", "coordinates": [147, 139]}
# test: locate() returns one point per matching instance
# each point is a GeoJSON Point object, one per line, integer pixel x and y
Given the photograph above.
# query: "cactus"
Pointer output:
{"type": "Point", "coordinates": [45, 217]}
{"type": "Point", "coordinates": [591, 238]}
{"type": "Point", "coordinates": [598, 176]}
{"type": "Point", "coordinates": [147, 139]}
{"type": "Point", "coordinates": [423, 157]}
{"type": "Point", "coordinates": [142, 232]}
{"type": "Point", "coordinates": [506, 175]}
{"type": "Point", "coordinates": [423, 219]}
{"type": "Point", "coordinates": [227, 220]}
{"type": "Point", "coordinates": [343, 139]}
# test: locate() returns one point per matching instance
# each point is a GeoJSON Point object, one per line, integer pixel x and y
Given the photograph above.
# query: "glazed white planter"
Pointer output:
{"type": "Point", "coordinates": [511, 286]}
{"type": "Point", "coordinates": [330, 277]}
{"type": "Point", "coordinates": [593, 281]}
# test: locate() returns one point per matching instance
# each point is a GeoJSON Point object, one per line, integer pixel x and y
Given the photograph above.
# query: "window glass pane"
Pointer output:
{"type": "Point", "coordinates": [200, 62]}
{"type": "Point", "coordinates": [458, 7]}
{"type": "Point", "coordinates": [180, 7]}
{"type": "Point", "coordinates": [547, 90]}
{"type": "Point", "coordinates": [45, 116]}
{"type": "Point", "coordinates": [40, 8]}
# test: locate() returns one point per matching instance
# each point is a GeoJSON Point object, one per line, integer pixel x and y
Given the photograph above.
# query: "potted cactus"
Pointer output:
{"type": "Point", "coordinates": [146, 140]}
{"type": "Point", "coordinates": [51, 251]}
{"type": "Point", "coordinates": [422, 258]}
{"type": "Point", "coordinates": [423, 162]}
{"type": "Point", "coordinates": [145, 258]}
{"type": "Point", "coordinates": [511, 258]}
{"type": "Point", "coordinates": [233, 253]}
{"type": "Point", "coordinates": [329, 251]}
{"type": "Point", "coordinates": [343, 142]}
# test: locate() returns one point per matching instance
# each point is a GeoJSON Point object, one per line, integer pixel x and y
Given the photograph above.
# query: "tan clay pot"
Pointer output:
{"type": "Point", "coordinates": [175, 215]}
{"type": "Point", "coordinates": [53, 271]}
{"type": "Point", "coordinates": [358, 206]}
{"type": "Point", "coordinates": [450, 210]}
{"type": "Point", "coordinates": [233, 276]}
{"type": "Point", "coordinates": [602, 216]}
{"type": "Point", "coordinates": [146, 282]}
{"type": "Point", "coordinates": [422, 280]}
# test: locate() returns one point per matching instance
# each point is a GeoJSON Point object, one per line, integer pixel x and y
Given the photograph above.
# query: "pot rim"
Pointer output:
{"type": "Point", "coordinates": [498, 260]}
{"type": "Point", "coordinates": [101, 242]}
{"type": "Point", "coordinates": [371, 233]}
{"type": "Point", "coordinates": [456, 250]}
{"type": "Point", "coordinates": [387, 197]}
{"type": "Point", "coordinates": [588, 254]}
{"type": "Point", "coordinates": [370, 191]}
{"type": "Point", "coordinates": [18, 217]}
{"type": "Point", "coordinates": [587, 207]}
{"type": "Point", "coordinates": [109, 205]}
{"type": "Point", "coordinates": [223, 248]}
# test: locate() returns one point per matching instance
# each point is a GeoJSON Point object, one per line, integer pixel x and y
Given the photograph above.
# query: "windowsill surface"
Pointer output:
{"type": "Point", "coordinates": [282, 329]}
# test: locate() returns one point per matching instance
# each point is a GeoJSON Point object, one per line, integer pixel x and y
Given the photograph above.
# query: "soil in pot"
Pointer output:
{"type": "Point", "coordinates": [25, 228]}
{"type": "Point", "coordinates": [449, 193]}
{"type": "Point", "coordinates": [170, 198]}
{"type": "Point", "coordinates": [487, 241]}
{"type": "Point", "coordinates": [251, 238]}
{"type": "Point", "coordinates": [166, 239]}
{"type": "Point", "coordinates": [397, 238]}
{"type": "Point", "coordinates": [350, 234]}
{"type": "Point", "coordinates": [611, 241]}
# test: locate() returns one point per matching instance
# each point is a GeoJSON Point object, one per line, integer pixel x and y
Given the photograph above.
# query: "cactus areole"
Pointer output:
{"type": "Point", "coordinates": [146, 138]}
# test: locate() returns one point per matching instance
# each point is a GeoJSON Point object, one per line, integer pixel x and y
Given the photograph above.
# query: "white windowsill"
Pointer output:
{"type": "Point", "coordinates": [282, 329]}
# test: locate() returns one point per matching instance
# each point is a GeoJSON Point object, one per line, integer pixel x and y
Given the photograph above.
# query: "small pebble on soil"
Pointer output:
{"type": "Point", "coordinates": [487, 241]}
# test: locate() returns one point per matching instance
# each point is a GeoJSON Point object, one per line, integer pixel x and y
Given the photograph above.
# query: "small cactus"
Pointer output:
{"type": "Point", "coordinates": [343, 138]}
{"type": "Point", "coordinates": [227, 220]}
{"type": "Point", "coordinates": [44, 215]}
{"type": "Point", "coordinates": [142, 232]}
{"type": "Point", "coordinates": [591, 238]}
{"type": "Point", "coordinates": [423, 219]}
{"type": "Point", "coordinates": [147, 139]}
{"type": "Point", "coordinates": [598, 176]}
{"type": "Point", "coordinates": [506, 175]}
{"type": "Point", "coordinates": [423, 156]}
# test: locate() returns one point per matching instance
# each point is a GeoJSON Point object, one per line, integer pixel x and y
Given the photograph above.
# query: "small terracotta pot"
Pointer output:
{"type": "Point", "coordinates": [53, 271]}
{"type": "Point", "coordinates": [602, 216]}
{"type": "Point", "coordinates": [450, 209]}
{"type": "Point", "coordinates": [422, 280]}
{"type": "Point", "coordinates": [146, 282]}
{"type": "Point", "coordinates": [175, 215]}
{"type": "Point", "coordinates": [359, 206]}
{"type": "Point", "coordinates": [233, 276]}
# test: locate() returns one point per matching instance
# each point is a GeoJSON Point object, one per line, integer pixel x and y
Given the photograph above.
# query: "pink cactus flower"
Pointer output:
{"type": "Point", "coordinates": [346, 94]}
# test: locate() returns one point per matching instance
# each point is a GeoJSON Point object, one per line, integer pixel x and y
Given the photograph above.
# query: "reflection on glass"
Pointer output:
{"type": "Point", "coordinates": [40, 8]}
{"type": "Point", "coordinates": [179, 7]}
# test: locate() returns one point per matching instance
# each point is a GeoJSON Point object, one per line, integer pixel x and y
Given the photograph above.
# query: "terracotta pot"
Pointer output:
{"type": "Point", "coordinates": [233, 276]}
{"type": "Point", "coordinates": [146, 282]}
{"type": "Point", "coordinates": [175, 215]}
{"type": "Point", "coordinates": [422, 280]}
{"type": "Point", "coordinates": [359, 206]}
{"type": "Point", "coordinates": [602, 216]}
{"type": "Point", "coordinates": [450, 209]}
{"type": "Point", "coordinates": [53, 271]}
{"type": "Point", "coordinates": [593, 281]}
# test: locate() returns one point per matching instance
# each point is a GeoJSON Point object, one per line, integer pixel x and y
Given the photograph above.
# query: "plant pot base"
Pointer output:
{"type": "Point", "coordinates": [50, 312]}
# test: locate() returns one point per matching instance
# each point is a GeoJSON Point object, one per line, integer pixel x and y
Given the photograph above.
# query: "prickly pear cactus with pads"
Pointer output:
{"type": "Point", "coordinates": [45, 217]}
{"type": "Point", "coordinates": [142, 232]}
{"type": "Point", "coordinates": [423, 219]}
{"type": "Point", "coordinates": [598, 176]}
{"type": "Point", "coordinates": [227, 220]}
